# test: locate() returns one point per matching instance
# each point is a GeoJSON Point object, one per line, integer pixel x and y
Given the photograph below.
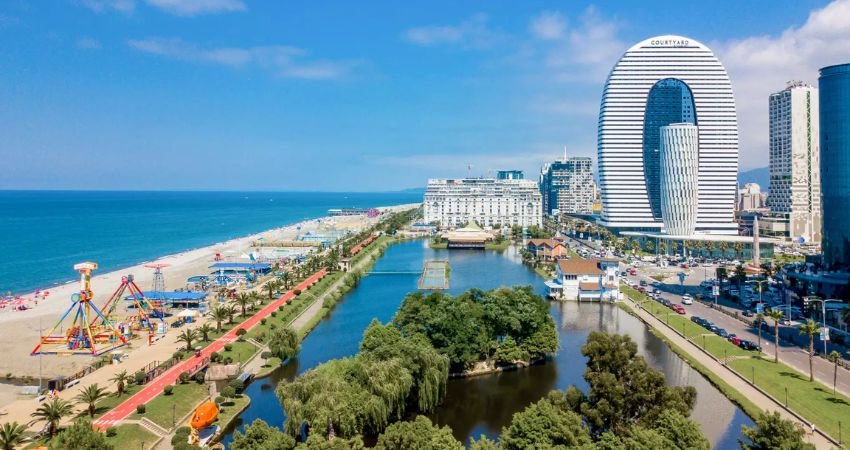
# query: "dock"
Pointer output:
{"type": "Point", "coordinates": [435, 276]}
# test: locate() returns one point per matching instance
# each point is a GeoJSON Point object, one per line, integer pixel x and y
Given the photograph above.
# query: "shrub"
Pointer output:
{"type": "Point", "coordinates": [111, 431]}
{"type": "Point", "coordinates": [177, 355]}
{"type": "Point", "coordinates": [139, 377]}
{"type": "Point", "coordinates": [167, 390]}
{"type": "Point", "coordinates": [184, 377]}
{"type": "Point", "coordinates": [260, 336]}
{"type": "Point", "coordinates": [228, 347]}
{"type": "Point", "coordinates": [215, 357]}
{"type": "Point", "coordinates": [228, 392]}
{"type": "Point", "coordinates": [199, 378]}
{"type": "Point", "coordinates": [263, 320]}
{"type": "Point", "coordinates": [140, 408]}
{"type": "Point", "coordinates": [266, 355]}
{"type": "Point", "coordinates": [241, 332]}
{"type": "Point", "coordinates": [280, 308]}
{"type": "Point", "coordinates": [297, 292]}
{"type": "Point", "coordinates": [228, 360]}
{"type": "Point", "coordinates": [272, 326]}
{"type": "Point", "coordinates": [219, 400]}
{"type": "Point", "coordinates": [274, 314]}
{"type": "Point", "coordinates": [237, 385]}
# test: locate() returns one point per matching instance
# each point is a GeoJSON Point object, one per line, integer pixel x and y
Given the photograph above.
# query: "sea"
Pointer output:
{"type": "Point", "coordinates": [44, 233]}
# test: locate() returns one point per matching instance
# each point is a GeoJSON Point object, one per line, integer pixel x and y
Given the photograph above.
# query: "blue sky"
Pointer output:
{"type": "Point", "coordinates": [357, 96]}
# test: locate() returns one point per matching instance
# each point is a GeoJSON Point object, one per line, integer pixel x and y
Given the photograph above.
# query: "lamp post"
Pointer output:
{"type": "Point", "coordinates": [823, 315]}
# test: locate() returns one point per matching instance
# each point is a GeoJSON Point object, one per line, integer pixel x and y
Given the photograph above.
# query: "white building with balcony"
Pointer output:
{"type": "Point", "coordinates": [485, 201]}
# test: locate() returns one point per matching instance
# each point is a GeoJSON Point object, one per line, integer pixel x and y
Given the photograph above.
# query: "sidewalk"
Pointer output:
{"type": "Point", "coordinates": [761, 400]}
{"type": "Point", "coordinates": [154, 388]}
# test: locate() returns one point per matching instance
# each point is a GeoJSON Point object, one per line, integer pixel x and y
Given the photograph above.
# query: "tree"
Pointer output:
{"type": "Point", "coordinates": [418, 434]}
{"type": "Point", "coordinates": [284, 343]}
{"type": "Point", "coordinates": [52, 412]}
{"type": "Point", "coordinates": [260, 436]}
{"type": "Point", "coordinates": [680, 431]}
{"type": "Point", "coordinates": [721, 273]}
{"type": "Point", "coordinates": [834, 357]}
{"type": "Point", "coordinates": [11, 435]}
{"type": "Point", "coordinates": [244, 301]}
{"type": "Point", "coordinates": [624, 389]}
{"type": "Point", "coordinates": [776, 315]}
{"type": "Point", "coordinates": [121, 379]}
{"type": "Point", "coordinates": [270, 288]}
{"type": "Point", "coordinates": [649, 246]}
{"type": "Point", "coordinates": [810, 328]}
{"type": "Point", "coordinates": [483, 443]}
{"type": "Point", "coordinates": [90, 395]}
{"type": "Point", "coordinates": [219, 314]}
{"type": "Point", "coordinates": [724, 248]}
{"type": "Point", "coordinates": [231, 312]}
{"type": "Point", "coordinates": [80, 436]}
{"type": "Point", "coordinates": [662, 247]}
{"type": "Point", "coordinates": [545, 425]}
{"type": "Point", "coordinates": [773, 432]}
{"type": "Point", "coordinates": [205, 331]}
{"type": "Point", "coordinates": [635, 246]}
{"type": "Point", "coordinates": [188, 336]}
{"type": "Point", "coordinates": [739, 247]}
{"type": "Point", "coordinates": [759, 320]}
{"type": "Point", "coordinates": [740, 275]}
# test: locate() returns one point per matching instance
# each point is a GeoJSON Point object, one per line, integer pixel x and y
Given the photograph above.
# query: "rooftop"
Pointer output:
{"type": "Point", "coordinates": [579, 266]}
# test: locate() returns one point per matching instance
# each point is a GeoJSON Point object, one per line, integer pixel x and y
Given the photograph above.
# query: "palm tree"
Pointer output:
{"type": "Point", "coordinates": [709, 246]}
{"type": "Point", "coordinates": [650, 246]}
{"type": "Point", "coordinates": [120, 379]}
{"type": "Point", "coordinates": [188, 336]}
{"type": "Point", "coordinates": [759, 320]}
{"type": "Point", "coordinates": [219, 314]}
{"type": "Point", "coordinates": [834, 357]}
{"type": "Point", "coordinates": [91, 395]}
{"type": "Point", "coordinates": [811, 328]}
{"type": "Point", "coordinates": [205, 331]}
{"type": "Point", "coordinates": [739, 247]}
{"type": "Point", "coordinates": [635, 246]}
{"type": "Point", "coordinates": [724, 247]}
{"type": "Point", "coordinates": [270, 287]}
{"type": "Point", "coordinates": [53, 412]}
{"type": "Point", "coordinates": [243, 300]}
{"type": "Point", "coordinates": [11, 434]}
{"type": "Point", "coordinates": [776, 315]}
{"type": "Point", "coordinates": [662, 247]}
{"type": "Point", "coordinates": [231, 311]}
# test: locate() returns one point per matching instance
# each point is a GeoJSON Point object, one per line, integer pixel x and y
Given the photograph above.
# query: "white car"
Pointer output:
{"type": "Point", "coordinates": [687, 300]}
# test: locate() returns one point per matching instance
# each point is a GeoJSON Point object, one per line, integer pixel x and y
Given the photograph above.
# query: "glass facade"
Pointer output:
{"type": "Point", "coordinates": [834, 86]}
{"type": "Point", "coordinates": [669, 101]}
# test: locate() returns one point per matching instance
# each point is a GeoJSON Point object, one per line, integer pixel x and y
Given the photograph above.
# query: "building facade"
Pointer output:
{"type": "Point", "coordinates": [486, 201]}
{"type": "Point", "coordinates": [750, 198]}
{"type": "Point", "coordinates": [834, 87]}
{"type": "Point", "coordinates": [567, 186]}
{"type": "Point", "coordinates": [794, 199]}
{"type": "Point", "coordinates": [658, 82]}
{"type": "Point", "coordinates": [509, 175]}
{"type": "Point", "coordinates": [585, 280]}
{"type": "Point", "coordinates": [679, 164]}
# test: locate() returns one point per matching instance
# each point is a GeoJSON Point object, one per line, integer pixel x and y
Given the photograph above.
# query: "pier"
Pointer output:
{"type": "Point", "coordinates": [435, 276]}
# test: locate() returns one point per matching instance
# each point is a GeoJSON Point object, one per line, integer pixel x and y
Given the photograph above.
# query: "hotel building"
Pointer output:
{"type": "Point", "coordinates": [794, 190]}
{"type": "Point", "coordinates": [486, 201]}
{"type": "Point", "coordinates": [658, 82]}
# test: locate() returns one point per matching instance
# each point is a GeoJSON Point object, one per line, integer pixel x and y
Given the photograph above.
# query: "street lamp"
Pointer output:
{"type": "Point", "coordinates": [823, 314]}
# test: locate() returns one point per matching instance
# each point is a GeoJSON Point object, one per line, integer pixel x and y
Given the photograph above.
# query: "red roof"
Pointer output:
{"type": "Point", "coordinates": [579, 266]}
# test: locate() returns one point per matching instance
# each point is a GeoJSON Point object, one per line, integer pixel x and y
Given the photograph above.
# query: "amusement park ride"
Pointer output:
{"type": "Point", "coordinates": [92, 330]}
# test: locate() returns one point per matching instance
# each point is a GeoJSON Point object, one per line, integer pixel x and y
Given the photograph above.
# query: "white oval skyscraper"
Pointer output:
{"type": "Point", "coordinates": [658, 82]}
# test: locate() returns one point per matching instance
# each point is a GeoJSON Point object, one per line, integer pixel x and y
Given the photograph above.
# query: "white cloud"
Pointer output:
{"type": "Point", "coordinates": [282, 61]}
{"type": "Point", "coordinates": [549, 25]}
{"type": "Point", "coordinates": [100, 6]}
{"type": "Point", "coordinates": [87, 43]}
{"type": "Point", "coordinates": [761, 65]}
{"type": "Point", "coordinates": [197, 7]}
{"type": "Point", "coordinates": [472, 33]}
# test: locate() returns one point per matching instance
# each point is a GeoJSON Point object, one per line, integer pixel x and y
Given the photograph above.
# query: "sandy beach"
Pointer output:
{"type": "Point", "coordinates": [21, 328]}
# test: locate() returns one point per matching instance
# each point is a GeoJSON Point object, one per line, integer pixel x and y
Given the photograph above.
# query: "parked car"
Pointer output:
{"type": "Point", "coordinates": [712, 327]}
{"type": "Point", "coordinates": [748, 313]}
{"type": "Point", "coordinates": [735, 340]}
{"type": "Point", "coordinates": [679, 309]}
{"type": "Point", "coordinates": [785, 321]}
{"type": "Point", "coordinates": [687, 299]}
{"type": "Point", "coordinates": [722, 333]}
{"type": "Point", "coordinates": [749, 345]}
{"type": "Point", "coordinates": [643, 282]}
{"type": "Point", "coordinates": [696, 319]}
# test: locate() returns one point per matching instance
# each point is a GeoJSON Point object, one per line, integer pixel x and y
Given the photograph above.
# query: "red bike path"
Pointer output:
{"type": "Point", "coordinates": [156, 386]}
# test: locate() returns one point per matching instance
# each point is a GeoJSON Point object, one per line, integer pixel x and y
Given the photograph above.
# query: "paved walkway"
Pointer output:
{"type": "Point", "coordinates": [762, 401]}
{"type": "Point", "coordinates": [154, 388]}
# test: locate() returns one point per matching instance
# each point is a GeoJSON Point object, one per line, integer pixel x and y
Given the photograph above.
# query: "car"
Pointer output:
{"type": "Point", "coordinates": [722, 333]}
{"type": "Point", "coordinates": [643, 282]}
{"type": "Point", "coordinates": [696, 319]}
{"type": "Point", "coordinates": [687, 299]}
{"type": "Point", "coordinates": [665, 302]}
{"type": "Point", "coordinates": [679, 309]}
{"type": "Point", "coordinates": [641, 289]}
{"type": "Point", "coordinates": [735, 340]}
{"type": "Point", "coordinates": [656, 283]}
{"type": "Point", "coordinates": [748, 313]}
{"type": "Point", "coordinates": [749, 345]}
{"type": "Point", "coordinates": [712, 327]}
{"type": "Point", "coordinates": [784, 321]}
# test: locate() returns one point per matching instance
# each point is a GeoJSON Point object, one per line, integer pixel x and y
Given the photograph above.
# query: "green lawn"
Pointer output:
{"type": "Point", "coordinates": [497, 246]}
{"type": "Point", "coordinates": [230, 409]}
{"type": "Point", "coordinates": [812, 400]}
{"type": "Point", "coordinates": [163, 409]}
{"type": "Point", "coordinates": [132, 436]}
{"type": "Point", "coordinates": [438, 245]}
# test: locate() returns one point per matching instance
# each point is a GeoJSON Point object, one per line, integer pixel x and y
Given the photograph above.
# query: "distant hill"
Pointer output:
{"type": "Point", "coordinates": [761, 176]}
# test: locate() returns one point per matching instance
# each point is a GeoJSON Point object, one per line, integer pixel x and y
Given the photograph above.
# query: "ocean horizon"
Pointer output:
{"type": "Point", "coordinates": [44, 233]}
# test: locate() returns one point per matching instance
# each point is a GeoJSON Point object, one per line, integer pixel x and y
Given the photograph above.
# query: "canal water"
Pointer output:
{"type": "Point", "coordinates": [483, 405]}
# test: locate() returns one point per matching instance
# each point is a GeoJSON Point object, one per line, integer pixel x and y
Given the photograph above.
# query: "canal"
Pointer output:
{"type": "Point", "coordinates": [483, 405]}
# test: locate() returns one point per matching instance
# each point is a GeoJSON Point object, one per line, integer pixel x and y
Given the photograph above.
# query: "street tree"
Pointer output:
{"type": "Point", "coordinates": [834, 357]}
{"type": "Point", "coordinates": [188, 336]}
{"type": "Point", "coordinates": [219, 314]}
{"type": "Point", "coordinates": [205, 330]}
{"type": "Point", "coordinates": [90, 395]}
{"type": "Point", "coordinates": [52, 413]}
{"type": "Point", "coordinates": [810, 328]}
{"type": "Point", "coordinates": [776, 316]}
{"type": "Point", "coordinates": [121, 379]}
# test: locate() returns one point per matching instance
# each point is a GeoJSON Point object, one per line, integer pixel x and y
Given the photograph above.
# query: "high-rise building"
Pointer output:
{"type": "Point", "coordinates": [679, 186]}
{"type": "Point", "coordinates": [794, 190]}
{"type": "Point", "coordinates": [509, 175]}
{"type": "Point", "coordinates": [567, 185]}
{"type": "Point", "coordinates": [657, 82]}
{"type": "Point", "coordinates": [486, 201]}
{"type": "Point", "coordinates": [834, 87]}
{"type": "Point", "coordinates": [750, 197]}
